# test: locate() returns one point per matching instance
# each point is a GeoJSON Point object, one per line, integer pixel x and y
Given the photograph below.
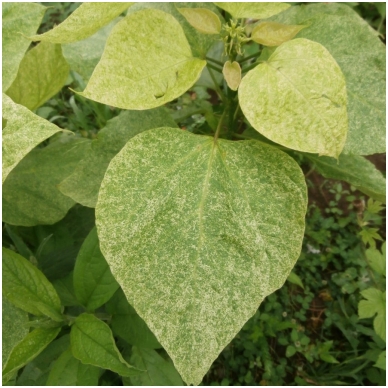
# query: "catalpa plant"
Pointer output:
{"type": "Point", "coordinates": [193, 230]}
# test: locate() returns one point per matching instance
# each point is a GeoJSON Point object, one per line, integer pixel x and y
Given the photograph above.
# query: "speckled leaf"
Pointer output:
{"type": "Point", "coordinates": [159, 371]}
{"type": "Point", "coordinates": [232, 74]}
{"type": "Point", "coordinates": [24, 130]}
{"type": "Point", "coordinates": [84, 55]}
{"type": "Point", "coordinates": [355, 170]}
{"type": "Point", "coordinates": [298, 98]}
{"type": "Point", "coordinates": [27, 349]}
{"type": "Point", "coordinates": [30, 193]}
{"type": "Point", "coordinates": [362, 57]}
{"type": "Point", "coordinates": [42, 73]}
{"type": "Point", "coordinates": [253, 10]}
{"type": "Point", "coordinates": [273, 33]}
{"type": "Point", "coordinates": [202, 19]}
{"type": "Point", "coordinates": [197, 233]}
{"type": "Point", "coordinates": [92, 343]}
{"type": "Point", "coordinates": [83, 185]}
{"type": "Point", "coordinates": [27, 288]}
{"type": "Point", "coordinates": [199, 43]}
{"type": "Point", "coordinates": [67, 370]}
{"type": "Point", "coordinates": [127, 324]}
{"type": "Point", "coordinates": [94, 284]}
{"type": "Point", "coordinates": [123, 78]}
{"type": "Point", "coordinates": [86, 20]}
{"type": "Point", "coordinates": [18, 19]}
{"type": "Point", "coordinates": [14, 329]}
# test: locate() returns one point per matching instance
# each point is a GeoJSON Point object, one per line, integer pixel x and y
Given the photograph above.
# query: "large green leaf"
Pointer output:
{"type": "Point", "coordinates": [253, 10]}
{"type": "Point", "coordinates": [14, 329]}
{"type": "Point", "coordinates": [18, 19]}
{"type": "Point", "coordinates": [127, 324]}
{"type": "Point", "coordinates": [83, 185]}
{"type": "Point", "coordinates": [30, 193]}
{"type": "Point", "coordinates": [355, 170]}
{"type": "Point", "coordinates": [84, 55]}
{"type": "Point", "coordinates": [24, 130]}
{"type": "Point", "coordinates": [27, 349]}
{"type": "Point", "coordinates": [200, 43]}
{"type": "Point", "coordinates": [92, 343]}
{"type": "Point", "coordinates": [67, 370]}
{"type": "Point", "coordinates": [197, 232]}
{"type": "Point", "coordinates": [27, 288]}
{"type": "Point", "coordinates": [298, 98]}
{"type": "Point", "coordinates": [159, 371]}
{"type": "Point", "coordinates": [42, 73]}
{"type": "Point", "coordinates": [361, 55]}
{"type": "Point", "coordinates": [94, 284]}
{"type": "Point", "coordinates": [147, 62]}
{"type": "Point", "coordinates": [87, 19]}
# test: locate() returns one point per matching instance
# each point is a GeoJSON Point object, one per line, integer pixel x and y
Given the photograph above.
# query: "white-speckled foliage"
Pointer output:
{"type": "Point", "coordinates": [298, 98]}
{"type": "Point", "coordinates": [197, 232]}
{"type": "Point", "coordinates": [254, 10]}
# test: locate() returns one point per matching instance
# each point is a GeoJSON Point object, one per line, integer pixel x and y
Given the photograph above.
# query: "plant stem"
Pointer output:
{"type": "Point", "coordinates": [253, 65]}
{"type": "Point", "coordinates": [209, 65]}
{"type": "Point", "coordinates": [219, 63]}
{"type": "Point", "coordinates": [219, 126]}
{"type": "Point", "coordinates": [221, 95]}
{"type": "Point", "coordinates": [248, 58]}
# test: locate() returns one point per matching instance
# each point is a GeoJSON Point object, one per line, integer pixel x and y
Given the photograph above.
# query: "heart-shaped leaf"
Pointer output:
{"type": "Point", "coordinates": [274, 34]}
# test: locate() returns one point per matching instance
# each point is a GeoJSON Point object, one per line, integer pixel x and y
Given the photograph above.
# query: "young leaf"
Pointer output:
{"type": "Point", "coordinates": [298, 98]}
{"type": "Point", "coordinates": [355, 170]}
{"type": "Point", "coordinates": [361, 56]}
{"type": "Point", "coordinates": [253, 10]}
{"type": "Point", "coordinates": [158, 370]}
{"type": "Point", "coordinates": [14, 329]}
{"type": "Point", "coordinates": [202, 19]}
{"type": "Point", "coordinates": [232, 74]}
{"type": "Point", "coordinates": [30, 194]}
{"type": "Point", "coordinates": [127, 324]}
{"type": "Point", "coordinates": [83, 185]}
{"type": "Point", "coordinates": [124, 79]}
{"type": "Point", "coordinates": [87, 19]}
{"type": "Point", "coordinates": [26, 350]}
{"type": "Point", "coordinates": [376, 260]}
{"type": "Point", "coordinates": [274, 34]}
{"type": "Point", "coordinates": [92, 343]}
{"type": "Point", "coordinates": [94, 284]}
{"type": "Point", "coordinates": [18, 19]}
{"type": "Point", "coordinates": [42, 73]}
{"type": "Point", "coordinates": [295, 279]}
{"type": "Point", "coordinates": [27, 288]}
{"type": "Point", "coordinates": [198, 235]}
{"type": "Point", "coordinates": [67, 370]}
{"type": "Point", "coordinates": [83, 56]}
{"type": "Point", "coordinates": [24, 130]}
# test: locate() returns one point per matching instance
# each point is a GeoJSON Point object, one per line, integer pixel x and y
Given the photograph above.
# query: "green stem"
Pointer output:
{"type": "Point", "coordinates": [215, 61]}
{"type": "Point", "coordinates": [248, 58]}
{"type": "Point", "coordinates": [221, 95]}
{"type": "Point", "coordinates": [253, 65]}
{"type": "Point", "coordinates": [209, 65]}
{"type": "Point", "coordinates": [217, 134]}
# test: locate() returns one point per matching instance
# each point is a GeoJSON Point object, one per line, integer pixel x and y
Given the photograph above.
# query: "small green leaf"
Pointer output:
{"type": "Point", "coordinates": [274, 34]}
{"type": "Point", "coordinates": [14, 329]}
{"type": "Point", "coordinates": [355, 170]}
{"type": "Point", "coordinates": [94, 284]}
{"type": "Point", "coordinates": [232, 74]}
{"type": "Point", "coordinates": [24, 131]}
{"type": "Point", "coordinates": [290, 351]}
{"type": "Point", "coordinates": [18, 19]}
{"type": "Point", "coordinates": [253, 10]}
{"type": "Point", "coordinates": [26, 350]}
{"type": "Point", "coordinates": [67, 370]}
{"type": "Point", "coordinates": [42, 73]}
{"type": "Point", "coordinates": [27, 288]}
{"type": "Point", "coordinates": [92, 343]}
{"type": "Point", "coordinates": [87, 19]}
{"type": "Point", "coordinates": [382, 361]}
{"type": "Point", "coordinates": [298, 98]}
{"type": "Point", "coordinates": [127, 324]}
{"type": "Point", "coordinates": [202, 19]}
{"type": "Point", "coordinates": [158, 370]}
{"type": "Point", "coordinates": [83, 185]}
{"type": "Point", "coordinates": [295, 279]}
{"type": "Point", "coordinates": [369, 236]}
{"type": "Point", "coordinates": [30, 193]}
{"type": "Point", "coordinates": [83, 56]}
{"type": "Point", "coordinates": [376, 260]}
{"type": "Point", "coordinates": [123, 79]}
{"type": "Point", "coordinates": [236, 228]}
